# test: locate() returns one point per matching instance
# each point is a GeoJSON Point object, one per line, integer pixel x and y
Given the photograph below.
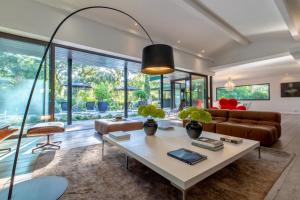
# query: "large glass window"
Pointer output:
{"type": "Point", "coordinates": [87, 85]}
{"type": "Point", "coordinates": [97, 85]}
{"type": "Point", "coordinates": [142, 89]}
{"type": "Point", "coordinates": [182, 89]}
{"type": "Point", "coordinates": [61, 83]}
{"type": "Point", "coordinates": [246, 92]}
{"type": "Point", "coordinates": [19, 62]}
{"type": "Point", "coordinates": [199, 91]}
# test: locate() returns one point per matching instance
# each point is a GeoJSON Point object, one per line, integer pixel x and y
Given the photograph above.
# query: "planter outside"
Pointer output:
{"type": "Point", "coordinates": [194, 129]}
{"type": "Point", "coordinates": [150, 127]}
{"type": "Point", "coordinates": [90, 105]}
{"type": "Point", "coordinates": [102, 106]}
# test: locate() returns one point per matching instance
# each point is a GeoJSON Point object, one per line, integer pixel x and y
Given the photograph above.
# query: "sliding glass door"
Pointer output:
{"type": "Point", "coordinates": [19, 61]}
{"type": "Point", "coordinates": [89, 86]}
{"type": "Point", "coordinates": [199, 91]}
{"type": "Point", "coordinates": [182, 89]}
{"type": "Point", "coordinates": [85, 85]}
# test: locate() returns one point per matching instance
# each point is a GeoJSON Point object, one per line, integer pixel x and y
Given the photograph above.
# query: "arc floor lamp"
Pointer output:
{"type": "Point", "coordinates": [156, 59]}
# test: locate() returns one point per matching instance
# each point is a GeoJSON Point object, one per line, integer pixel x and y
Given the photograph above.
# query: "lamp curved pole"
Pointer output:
{"type": "Point", "coordinates": [36, 78]}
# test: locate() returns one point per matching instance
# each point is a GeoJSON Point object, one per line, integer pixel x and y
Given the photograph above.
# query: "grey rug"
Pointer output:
{"type": "Point", "coordinates": [249, 178]}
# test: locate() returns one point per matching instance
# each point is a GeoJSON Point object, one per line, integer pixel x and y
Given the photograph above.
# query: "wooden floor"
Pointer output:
{"type": "Point", "coordinates": [72, 138]}
{"type": "Point", "coordinates": [289, 141]}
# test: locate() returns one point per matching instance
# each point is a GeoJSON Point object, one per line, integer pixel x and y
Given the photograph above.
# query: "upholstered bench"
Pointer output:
{"type": "Point", "coordinates": [46, 129]}
{"type": "Point", "coordinates": [105, 126]}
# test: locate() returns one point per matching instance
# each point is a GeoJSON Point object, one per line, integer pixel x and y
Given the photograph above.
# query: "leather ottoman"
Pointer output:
{"type": "Point", "coordinates": [105, 126]}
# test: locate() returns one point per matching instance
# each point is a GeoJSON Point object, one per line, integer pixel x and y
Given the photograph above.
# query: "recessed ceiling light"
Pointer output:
{"type": "Point", "coordinates": [178, 41]}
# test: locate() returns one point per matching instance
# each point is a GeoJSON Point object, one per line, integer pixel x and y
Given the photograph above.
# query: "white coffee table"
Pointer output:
{"type": "Point", "coordinates": [152, 152]}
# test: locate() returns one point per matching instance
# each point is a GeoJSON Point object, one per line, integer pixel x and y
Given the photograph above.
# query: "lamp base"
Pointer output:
{"type": "Point", "coordinates": [46, 188]}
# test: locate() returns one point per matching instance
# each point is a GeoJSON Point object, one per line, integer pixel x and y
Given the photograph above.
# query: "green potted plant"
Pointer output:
{"type": "Point", "coordinates": [196, 117]}
{"type": "Point", "coordinates": [151, 112]}
{"type": "Point", "coordinates": [102, 93]}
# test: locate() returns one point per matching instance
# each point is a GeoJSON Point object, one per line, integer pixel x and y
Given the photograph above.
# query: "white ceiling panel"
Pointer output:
{"type": "Point", "coordinates": [250, 17]}
{"type": "Point", "coordinates": [264, 68]}
{"type": "Point", "coordinates": [166, 21]}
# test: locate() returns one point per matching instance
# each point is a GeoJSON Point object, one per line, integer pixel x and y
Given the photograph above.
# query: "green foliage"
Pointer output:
{"type": "Point", "coordinates": [152, 111]}
{"type": "Point", "coordinates": [247, 92]}
{"type": "Point", "coordinates": [101, 92]}
{"type": "Point", "coordinates": [86, 96]}
{"type": "Point", "coordinates": [195, 114]}
{"type": "Point", "coordinates": [141, 94]}
{"type": "Point", "coordinates": [147, 88]}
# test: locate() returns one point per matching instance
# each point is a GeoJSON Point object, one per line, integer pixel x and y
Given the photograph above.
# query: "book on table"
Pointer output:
{"type": "Point", "coordinates": [120, 135]}
{"type": "Point", "coordinates": [208, 147]}
{"type": "Point", "coordinates": [208, 142]}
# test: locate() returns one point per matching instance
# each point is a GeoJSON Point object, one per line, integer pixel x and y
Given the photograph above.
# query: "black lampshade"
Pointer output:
{"type": "Point", "coordinates": [157, 59]}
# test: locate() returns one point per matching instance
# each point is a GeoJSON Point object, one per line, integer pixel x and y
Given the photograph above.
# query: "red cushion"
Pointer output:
{"type": "Point", "coordinates": [241, 108]}
{"type": "Point", "coordinates": [230, 104]}
{"type": "Point", "coordinates": [233, 103]}
{"type": "Point", "coordinates": [224, 103]}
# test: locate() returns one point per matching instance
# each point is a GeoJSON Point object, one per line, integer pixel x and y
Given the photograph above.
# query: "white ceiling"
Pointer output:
{"type": "Point", "coordinates": [285, 64]}
{"type": "Point", "coordinates": [165, 21]}
{"type": "Point", "coordinates": [172, 20]}
{"type": "Point", "coordinates": [250, 17]}
{"type": "Point", "coordinates": [168, 21]}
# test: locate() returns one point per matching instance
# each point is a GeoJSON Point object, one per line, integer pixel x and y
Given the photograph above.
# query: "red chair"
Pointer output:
{"type": "Point", "coordinates": [230, 104]}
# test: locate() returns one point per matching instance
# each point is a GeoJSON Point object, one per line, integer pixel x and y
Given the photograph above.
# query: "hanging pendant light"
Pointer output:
{"type": "Point", "coordinates": [157, 59]}
{"type": "Point", "coordinates": [229, 85]}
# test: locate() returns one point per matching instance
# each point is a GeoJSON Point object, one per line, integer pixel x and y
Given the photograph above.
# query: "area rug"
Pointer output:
{"type": "Point", "coordinates": [249, 178]}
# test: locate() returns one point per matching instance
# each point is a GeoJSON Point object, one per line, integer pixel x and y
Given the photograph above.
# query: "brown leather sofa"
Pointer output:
{"type": "Point", "coordinates": [218, 116]}
{"type": "Point", "coordinates": [261, 126]}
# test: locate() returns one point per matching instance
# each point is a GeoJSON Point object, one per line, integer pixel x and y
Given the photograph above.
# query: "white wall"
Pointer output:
{"type": "Point", "coordinates": [28, 18]}
{"type": "Point", "coordinates": [278, 104]}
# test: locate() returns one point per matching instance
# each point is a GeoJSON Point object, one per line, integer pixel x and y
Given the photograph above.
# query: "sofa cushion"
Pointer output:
{"type": "Point", "coordinates": [211, 127]}
{"type": "Point", "coordinates": [257, 118]}
{"type": "Point", "coordinates": [255, 115]}
{"type": "Point", "coordinates": [218, 113]}
{"type": "Point", "coordinates": [266, 134]}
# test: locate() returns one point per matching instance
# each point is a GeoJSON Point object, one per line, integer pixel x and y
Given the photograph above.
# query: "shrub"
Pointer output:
{"type": "Point", "coordinates": [195, 114]}
{"type": "Point", "coordinates": [151, 111]}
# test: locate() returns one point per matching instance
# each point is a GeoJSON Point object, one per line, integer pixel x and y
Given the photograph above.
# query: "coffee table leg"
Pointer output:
{"type": "Point", "coordinates": [103, 142]}
{"type": "Point", "coordinates": [259, 155]}
{"type": "Point", "coordinates": [183, 194]}
{"type": "Point", "coordinates": [126, 162]}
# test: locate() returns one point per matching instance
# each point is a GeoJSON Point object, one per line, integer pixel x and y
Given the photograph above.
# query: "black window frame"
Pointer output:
{"type": "Point", "coordinates": [52, 70]}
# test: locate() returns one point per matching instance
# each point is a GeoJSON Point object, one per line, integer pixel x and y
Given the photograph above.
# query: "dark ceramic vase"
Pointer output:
{"type": "Point", "coordinates": [150, 127]}
{"type": "Point", "coordinates": [194, 129]}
